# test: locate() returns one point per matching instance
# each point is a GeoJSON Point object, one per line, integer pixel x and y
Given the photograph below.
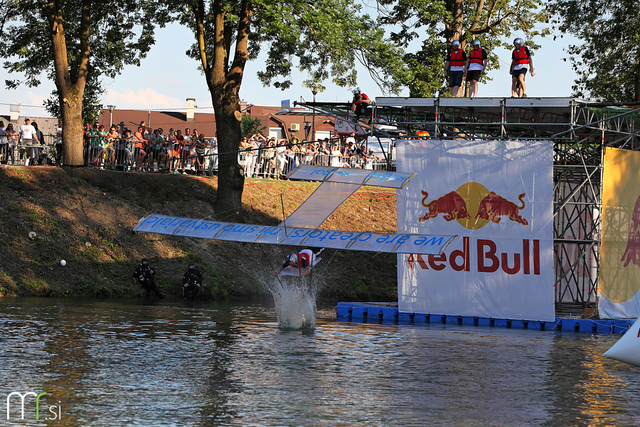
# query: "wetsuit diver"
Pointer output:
{"type": "Point", "coordinates": [144, 274]}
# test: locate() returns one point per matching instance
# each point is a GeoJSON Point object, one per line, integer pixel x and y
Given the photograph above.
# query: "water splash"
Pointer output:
{"type": "Point", "coordinates": [295, 300]}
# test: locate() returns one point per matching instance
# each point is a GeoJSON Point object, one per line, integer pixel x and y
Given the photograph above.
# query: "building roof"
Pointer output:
{"type": "Point", "coordinates": [298, 124]}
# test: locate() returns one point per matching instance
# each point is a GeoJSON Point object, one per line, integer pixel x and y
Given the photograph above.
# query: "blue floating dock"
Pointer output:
{"type": "Point", "coordinates": [388, 313]}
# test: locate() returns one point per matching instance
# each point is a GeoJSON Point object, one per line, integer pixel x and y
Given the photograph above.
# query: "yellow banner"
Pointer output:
{"type": "Point", "coordinates": [620, 240]}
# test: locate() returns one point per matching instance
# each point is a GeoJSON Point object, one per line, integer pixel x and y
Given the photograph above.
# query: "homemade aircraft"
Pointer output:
{"type": "Point", "coordinates": [301, 228]}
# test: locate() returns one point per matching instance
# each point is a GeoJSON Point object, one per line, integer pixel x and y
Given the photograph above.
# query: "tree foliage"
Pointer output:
{"type": "Point", "coordinates": [607, 59]}
{"type": "Point", "coordinates": [324, 38]}
{"type": "Point", "coordinates": [251, 126]}
{"type": "Point", "coordinates": [91, 101]}
{"type": "Point", "coordinates": [69, 40]}
{"type": "Point", "coordinates": [438, 22]}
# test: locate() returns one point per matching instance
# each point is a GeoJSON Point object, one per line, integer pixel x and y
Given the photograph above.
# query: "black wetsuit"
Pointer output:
{"type": "Point", "coordinates": [147, 281]}
{"type": "Point", "coordinates": [192, 278]}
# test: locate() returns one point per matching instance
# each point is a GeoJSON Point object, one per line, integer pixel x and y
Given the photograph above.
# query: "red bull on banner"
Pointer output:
{"type": "Point", "coordinates": [484, 257]}
{"type": "Point", "coordinates": [491, 207]}
{"type": "Point", "coordinates": [497, 196]}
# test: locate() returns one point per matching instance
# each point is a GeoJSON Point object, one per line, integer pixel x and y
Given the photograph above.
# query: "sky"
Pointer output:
{"type": "Point", "coordinates": [167, 77]}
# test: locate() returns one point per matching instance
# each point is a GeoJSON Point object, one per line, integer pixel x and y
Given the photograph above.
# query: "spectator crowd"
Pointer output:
{"type": "Point", "coordinates": [274, 158]}
{"type": "Point", "coordinates": [144, 149]}
{"type": "Point", "coordinates": [24, 145]}
{"type": "Point", "coordinates": [149, 150]}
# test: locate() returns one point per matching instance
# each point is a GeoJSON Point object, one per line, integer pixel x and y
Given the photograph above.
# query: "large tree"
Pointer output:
{"type": "Point", "coordinates": [325, 38]}
{"type": "Point", "coordinates": [69, 39]}
{"type": "Point", "coordinates": [607, 58]}
{"type": "Point", "coordinates": [436, 23]}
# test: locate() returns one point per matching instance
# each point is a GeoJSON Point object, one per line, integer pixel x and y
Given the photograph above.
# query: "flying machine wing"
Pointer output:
{"type": "Point", "coordinates": [302, 227]}
{"type": "Point", "coordinates": [237, 232]}
{"type": "Point", "coordinates": [338, 184]}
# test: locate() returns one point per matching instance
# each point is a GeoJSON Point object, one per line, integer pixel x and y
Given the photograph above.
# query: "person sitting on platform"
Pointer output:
{"type": "Point", "coordinates": [303, 261]}
{"type": "Point", "coordinates": [145, 274]}
{"type": "Point", "coordinates": [192, 282]}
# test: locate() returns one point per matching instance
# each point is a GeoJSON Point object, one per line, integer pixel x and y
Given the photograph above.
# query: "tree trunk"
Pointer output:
{"type": "Point", "coordinates": [71, 109]}
{"type": "Point", "coordinates": [228, 204]}
{"type": "Point", "coordinates": [70, 88]}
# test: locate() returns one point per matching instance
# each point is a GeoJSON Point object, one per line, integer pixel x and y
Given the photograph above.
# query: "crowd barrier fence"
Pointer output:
{"type": "Point", "coordinates": [122, 154]}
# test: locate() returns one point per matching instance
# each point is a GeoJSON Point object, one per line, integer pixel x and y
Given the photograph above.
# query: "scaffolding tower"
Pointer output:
{"type": "Point", "coordinates": [579, 130]}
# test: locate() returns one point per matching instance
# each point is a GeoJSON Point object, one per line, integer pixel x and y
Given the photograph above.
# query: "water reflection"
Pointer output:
{"type": "Point", "coordinates": [129, 363]}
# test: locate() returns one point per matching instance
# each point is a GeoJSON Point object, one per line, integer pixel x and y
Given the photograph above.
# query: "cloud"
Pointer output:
{"type": "Point", "coordinates": [36, 99]}
{"type": "Point", "coordinates": [171, 81]}
{"type": "Point", "coordinates": [142, 99]}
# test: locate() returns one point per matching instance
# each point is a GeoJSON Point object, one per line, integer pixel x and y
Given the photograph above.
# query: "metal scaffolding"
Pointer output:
{"type": "Point", "coordinates": [579, 130]}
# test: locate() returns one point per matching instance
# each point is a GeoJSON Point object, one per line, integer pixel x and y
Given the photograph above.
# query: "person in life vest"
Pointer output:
{"type": "Point", "coordinates": [359, 103]}
{"type": "Point", "coordinates": [303, 260]}
{"type": "Point", "coordinates": [521, 61]}
{"type": "Point", "coordinates": [455, 67]}
{"type": "Point", "coordinates": [476, 64]}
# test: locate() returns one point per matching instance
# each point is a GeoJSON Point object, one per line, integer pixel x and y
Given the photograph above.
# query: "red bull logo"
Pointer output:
{"type": "Point", "coordinates": [473, 206]}
{"type": "Point", "coordinates": [632, 251]}
{"type": "Point", "coordinates": [484, 256]}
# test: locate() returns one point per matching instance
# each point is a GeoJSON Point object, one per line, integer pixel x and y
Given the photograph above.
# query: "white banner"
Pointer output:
{"type": "Point", "coordinates": [310, 237]}
{"type": "Point", "coordinates": [497, 196]}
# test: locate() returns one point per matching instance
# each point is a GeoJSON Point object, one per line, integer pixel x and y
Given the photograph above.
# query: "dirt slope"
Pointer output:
{"type": "Point", "coordinates": [86, 217]}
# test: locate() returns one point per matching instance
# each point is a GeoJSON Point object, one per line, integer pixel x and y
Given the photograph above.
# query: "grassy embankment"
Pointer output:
{"type": "Point", "coordinates": [86, 217]}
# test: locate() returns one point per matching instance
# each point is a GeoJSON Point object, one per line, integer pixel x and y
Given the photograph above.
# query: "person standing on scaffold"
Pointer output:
{"type": "Point", "coordinates": [521, 61]}
{"type": "Point", "coordinates": [299, 264]}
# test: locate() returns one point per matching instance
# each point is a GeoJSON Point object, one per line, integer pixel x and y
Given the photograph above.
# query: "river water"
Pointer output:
{"type": "Point", "coordinates": [116, 363]}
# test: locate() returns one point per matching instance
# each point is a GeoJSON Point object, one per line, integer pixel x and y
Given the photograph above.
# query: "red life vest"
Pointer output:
{"type": "Point", "coordinates": [520, 55]}
{"type": "Point", "coordinates": [306, 257]}
{"type": "Point", "coordinates": [362, 99]}
{"type": "Point", "coordinates": [456, 58]}
{"type": "Point", "coordinates": [476, 56]}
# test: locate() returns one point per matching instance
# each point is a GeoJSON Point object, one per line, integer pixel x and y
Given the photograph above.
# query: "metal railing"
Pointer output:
{"type": "Point", "coordinates": [18, 153]}
{"type": "Point", "coordinates": [269, 161]}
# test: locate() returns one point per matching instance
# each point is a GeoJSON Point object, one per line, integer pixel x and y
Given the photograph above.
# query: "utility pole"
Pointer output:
{"type": "Point", "coordinates": [314, 91]}
{"type": "Point", "coordinates": [111, 108]}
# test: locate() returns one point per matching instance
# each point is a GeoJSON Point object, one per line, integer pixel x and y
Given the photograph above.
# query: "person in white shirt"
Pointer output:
{"type": "Point", "coordinates": [213, 155]}
{"type": "Point", "coordinates": [281, 160]}
{"type": "Point", "coordinates": [351, 139]}
{"type": "Point", "coordinates": [27, 135]}
{"type": "Point", "coordinates": [336, 156]}
{"type": "Point", "coordinates": [59, 143]}
{"type": "Point", "coordinates": [251, 155]}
